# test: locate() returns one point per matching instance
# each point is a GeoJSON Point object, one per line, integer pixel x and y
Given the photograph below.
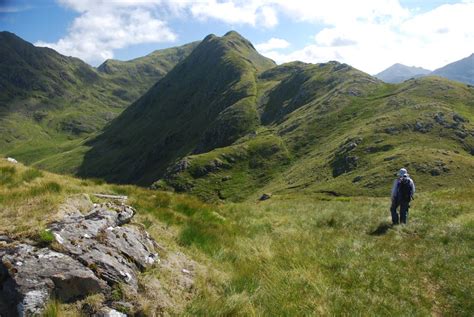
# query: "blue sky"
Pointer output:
{"type": "Point", "coordinates": [368, 34]}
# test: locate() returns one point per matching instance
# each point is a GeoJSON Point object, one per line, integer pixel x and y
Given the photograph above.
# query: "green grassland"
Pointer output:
{"type": "Point", "coordinates": [295, 254]}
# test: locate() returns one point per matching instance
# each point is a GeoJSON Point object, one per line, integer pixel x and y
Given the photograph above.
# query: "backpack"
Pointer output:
{"type": "Point", "coordinates": [404, 189]}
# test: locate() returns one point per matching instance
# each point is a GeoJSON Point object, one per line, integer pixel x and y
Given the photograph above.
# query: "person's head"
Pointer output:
{"type": "Point", "coordinates": [403, 172]}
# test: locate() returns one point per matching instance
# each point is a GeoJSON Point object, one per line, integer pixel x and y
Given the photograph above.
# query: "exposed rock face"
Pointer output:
{"type": "Point", "coordinates": [344, 161]}
{"type": "Point", "coordinates": [32, 275]}
{"type": "Point", "coordinates": [93, 252]}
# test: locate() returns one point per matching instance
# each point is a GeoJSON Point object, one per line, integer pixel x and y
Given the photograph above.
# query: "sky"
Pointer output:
{"type": "Point", "coordinates": [370, 35]}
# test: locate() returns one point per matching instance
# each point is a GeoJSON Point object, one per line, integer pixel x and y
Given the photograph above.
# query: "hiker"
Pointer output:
{"type": "Point", "coordinates": [402, 193]}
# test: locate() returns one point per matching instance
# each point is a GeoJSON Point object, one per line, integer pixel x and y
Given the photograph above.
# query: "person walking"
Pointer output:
{"type": "Point", "coordinates": [403, 190]}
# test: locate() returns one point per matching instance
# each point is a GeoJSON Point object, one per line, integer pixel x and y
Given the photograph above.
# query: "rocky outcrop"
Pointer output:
{"type": "Point", "coordinates": [31, 276]}
{"type": "Point", "coordinates": [92, 253]}
{"type": "Point", "coordinates": [344, 160]}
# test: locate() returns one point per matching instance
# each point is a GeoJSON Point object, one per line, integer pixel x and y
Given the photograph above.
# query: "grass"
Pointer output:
{"type": "Point", "coordinates": [308, 255]}
{"type": "Point", "coordinates": [295, 254]}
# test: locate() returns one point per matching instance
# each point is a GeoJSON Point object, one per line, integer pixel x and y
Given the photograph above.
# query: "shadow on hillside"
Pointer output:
{"type": "Point", "coordinates": [381, 229]}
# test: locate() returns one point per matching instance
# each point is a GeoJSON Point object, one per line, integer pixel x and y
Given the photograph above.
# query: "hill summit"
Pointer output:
{"type": "Point", "coordinates": [207, 101]}
{"type": "Point", "coordinates": [227, 123]}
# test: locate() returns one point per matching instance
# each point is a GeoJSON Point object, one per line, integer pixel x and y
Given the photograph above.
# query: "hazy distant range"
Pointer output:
{"type": "Point", "coordinates": [461, 70]}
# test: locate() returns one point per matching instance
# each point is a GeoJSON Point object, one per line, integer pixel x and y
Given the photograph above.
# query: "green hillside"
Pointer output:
{"type": "Point", "coordinates": [50, 104]}
{"type": "Point", "coordinates": [224, 127]}
{"type": "Point", "coordinates": [136, 76]}
{"type": "Point", "coordinates": [206, 101]}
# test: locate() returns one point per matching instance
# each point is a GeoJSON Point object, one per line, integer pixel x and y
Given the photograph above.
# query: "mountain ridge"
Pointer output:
{"type": "Point", "coordinates": [50, 103]}
{"type": "Point", "coordinates": [398, 73]}
{"type": "Point", "coordinates": [461, 70]}
{"type": "Point", "coordinates": [298, 118]}
{"type": "Point", "coordinates": [211, 87]}
{"type": "Point", "coordinates": [226, 123]}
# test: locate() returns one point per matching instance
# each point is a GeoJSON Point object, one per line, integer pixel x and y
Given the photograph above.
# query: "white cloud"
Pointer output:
{"type": "Point", "coordinates": [272, 44]}
{"type": "Point", "coordinates": [105, 26]}
{"type": "Point", "coordinates": [269, 17]}
{"type": "Point", "coordinates": [251, 12]}
{"type": "Point", "coordinates": [368, 34]}
{"type": "Point", "coordinates": [372, 35]}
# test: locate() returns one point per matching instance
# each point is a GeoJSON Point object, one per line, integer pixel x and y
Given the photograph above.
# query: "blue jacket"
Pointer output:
{"type": "Point", "coordinates": [396, 183]}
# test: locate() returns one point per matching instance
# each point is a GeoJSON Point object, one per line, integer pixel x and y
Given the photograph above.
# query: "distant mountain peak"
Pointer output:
{"type": "Point", "coordinates": [461, 70]}
{"type": "Point", "coordinates": [398, 73]}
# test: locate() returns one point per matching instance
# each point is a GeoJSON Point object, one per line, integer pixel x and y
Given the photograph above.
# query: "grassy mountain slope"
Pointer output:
{"type": "Point", "coordinates": [207, 101]}
{"type": "Point", "coordinates": [462, 70]}
{"type": "Point", "coordinates": [222, 127]}
{"type": "Point", "coordinates": [330, 128]}
{"type": "Point", "coordinates": [136, 76]}
{"type": "Point", "coordinates": [50, 104]}
{"type": "Point", "coordinates": [398, 73]}
{"type": "Point", "coordinates": [293, 255]}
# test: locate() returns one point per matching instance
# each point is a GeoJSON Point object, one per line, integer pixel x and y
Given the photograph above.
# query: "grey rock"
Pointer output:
{"type": "Point", "coordinates": [95, 251]}
{"type": "Point", "coordinates": [460, 133]}
{"type": "Point", "coordinates": [134, 244]}
{"type": "Point", "coordinates": [422, 127]}
{"type": "Point", "coordinates": [357, 179]}
{"type": "Point", "coordinates": [5, 238]}
{"type": "Point", "coordinates": [109, 312]}
{"type": "Point", "coordinates": [439, 118]}
{"type": "Point", "coordinates": [226, 178]}
{"type": "Point", "coordinates": [391, 130]}
{"type": "Point", "coordinates": [100, 240]}
{"type": "Point", "coordinates": [179, 167]}
{"type": "Point", "coordinates": [33, 275]}
{"type": "Point", "coordinates": [459, 118]}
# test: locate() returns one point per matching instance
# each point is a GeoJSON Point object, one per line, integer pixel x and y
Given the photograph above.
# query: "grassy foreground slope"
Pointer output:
{"type": "Point", "coordinates": [295, 254]}
{"type": "Point", "coordinates": [50, 104]}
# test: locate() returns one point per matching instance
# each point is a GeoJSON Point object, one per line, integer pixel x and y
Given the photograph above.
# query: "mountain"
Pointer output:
{"type": "Point", "coordinates": [138, 75]}
{"type": "Point", "coordinates": [26, 69]}
{"type": "Point", "coordinates": [50, 103]}
{"type": "Point", "coordinates": [207, 101]}
{"type": "Point", "coordinates": [398, 73]}
{"type": "Point", "coordinates": [462, 70]}
{"type": "Point", "coordinates": [226, 123]}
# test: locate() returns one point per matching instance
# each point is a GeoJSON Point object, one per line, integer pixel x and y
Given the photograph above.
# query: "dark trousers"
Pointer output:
{"type": "Point", "coordinates": [404, 205]}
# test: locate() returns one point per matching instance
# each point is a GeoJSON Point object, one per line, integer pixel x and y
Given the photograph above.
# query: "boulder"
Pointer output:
{"type": "Point", "coordinates": [12, 160]}
{"type": "Point", "coordinates": [92, 253]}
{"type": "Point", "coordinates": [31, 275]}
{"type": "Point", "coordinates": [100, 240]}
{"type": "Point", "coordinates": [109, 312]}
